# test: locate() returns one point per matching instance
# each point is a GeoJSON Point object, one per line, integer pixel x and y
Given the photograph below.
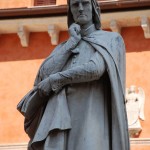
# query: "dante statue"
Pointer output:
{"type": "Point", "coordinates": [77, 102]}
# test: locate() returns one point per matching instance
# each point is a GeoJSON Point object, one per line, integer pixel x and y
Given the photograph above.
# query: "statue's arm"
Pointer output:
{"type": "Point", "coordinates": [119, 47]}
{"type": "Point", "coordinates": [59, 55]}
{"type": "Point", "coordinates": [56, 61]}
{"type": "Point", "coordinates": [60, 58]}
{"type": "Point", "coordinates": [86, 72]}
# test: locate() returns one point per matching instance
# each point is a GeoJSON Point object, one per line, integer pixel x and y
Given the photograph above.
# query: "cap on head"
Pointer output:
{"type": "Point", "coordinates": [96, 14]}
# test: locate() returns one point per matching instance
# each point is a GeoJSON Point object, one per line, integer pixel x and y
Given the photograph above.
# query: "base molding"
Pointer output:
{"type": "Point", "coordinates": [23, 146]}
{"type": "Point", "coordinates": [140, 141]}
{"type": "Point", "coordinates": [18, 146]}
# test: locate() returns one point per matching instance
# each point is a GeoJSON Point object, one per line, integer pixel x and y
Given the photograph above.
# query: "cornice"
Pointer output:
{"type": "Point", "coordinates": [59, 10]}
{"type": "Point", "coordinates": [53, 25]}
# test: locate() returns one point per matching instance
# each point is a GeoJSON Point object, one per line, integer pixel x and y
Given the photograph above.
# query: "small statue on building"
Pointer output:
{"type": "Point", "coordinates": [135, 109]}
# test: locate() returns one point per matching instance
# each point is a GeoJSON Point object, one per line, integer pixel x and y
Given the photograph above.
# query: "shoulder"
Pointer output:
{"type": "Point", "coordinates": [107, 38]}
{"type": "Point", "coordinates": [113, 38]}
{"type": "Point", "coordinates": [108, 35]}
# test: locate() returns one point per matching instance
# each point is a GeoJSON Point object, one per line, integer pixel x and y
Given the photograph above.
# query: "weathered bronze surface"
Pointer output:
{"type": "Point", "coordinates": [80, 89]}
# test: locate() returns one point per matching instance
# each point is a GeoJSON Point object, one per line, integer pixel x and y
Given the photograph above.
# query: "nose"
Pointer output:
{"type": "Point", "coordinates": [80, 7]}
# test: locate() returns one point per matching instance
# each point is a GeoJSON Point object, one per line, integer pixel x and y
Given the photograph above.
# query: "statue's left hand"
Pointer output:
{"type": "Point", "coordinates": [44, 87]}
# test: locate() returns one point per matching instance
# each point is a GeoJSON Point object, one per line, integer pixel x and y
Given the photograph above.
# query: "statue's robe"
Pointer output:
{"type": "Point", "coordinates": [54, 125]}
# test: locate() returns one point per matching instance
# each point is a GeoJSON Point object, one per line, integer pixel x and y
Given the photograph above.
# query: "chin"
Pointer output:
{"type": "Point", "coordinates": [82, 21]}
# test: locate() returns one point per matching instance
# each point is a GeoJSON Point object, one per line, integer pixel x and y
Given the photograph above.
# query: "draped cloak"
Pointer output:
{"type": "Point", "coordinates": [55, 114]}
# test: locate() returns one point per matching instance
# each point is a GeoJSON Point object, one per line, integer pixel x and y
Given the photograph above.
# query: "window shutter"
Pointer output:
{"type": "Point", "coordinates": [44, 2]}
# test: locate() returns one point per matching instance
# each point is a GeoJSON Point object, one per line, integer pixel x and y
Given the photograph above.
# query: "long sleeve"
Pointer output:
{"type": "Point", "coordinates": [63, 54]}
{"type": "Point", "coordinates": [86, 72]}
{"type": "Point", "coordinates": [56, 61]}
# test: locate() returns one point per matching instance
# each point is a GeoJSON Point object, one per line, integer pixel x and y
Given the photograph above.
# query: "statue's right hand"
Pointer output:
{"type": "Point", "coordinates": [75, 35]}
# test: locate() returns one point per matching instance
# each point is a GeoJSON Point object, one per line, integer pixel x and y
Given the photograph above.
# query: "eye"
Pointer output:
{"type": "Point", "coordinates": [75, 4]}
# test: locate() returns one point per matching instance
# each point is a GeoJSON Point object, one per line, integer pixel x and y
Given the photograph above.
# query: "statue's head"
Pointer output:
{"type": "Point", "coordinates": [132, 89]}
{"type": "Point", "coordinates": [83, 11]}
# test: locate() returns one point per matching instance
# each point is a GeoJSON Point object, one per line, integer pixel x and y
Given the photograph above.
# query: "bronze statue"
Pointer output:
{"type": "Point", "coordinates": [77, 102]}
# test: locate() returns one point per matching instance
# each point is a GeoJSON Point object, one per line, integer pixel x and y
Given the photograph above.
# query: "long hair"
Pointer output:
{"type": "Point", "coordinates": [96, 14]}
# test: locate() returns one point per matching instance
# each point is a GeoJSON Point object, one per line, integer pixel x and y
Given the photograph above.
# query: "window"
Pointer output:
{"type": "Point", "coordinates": [44, 2]}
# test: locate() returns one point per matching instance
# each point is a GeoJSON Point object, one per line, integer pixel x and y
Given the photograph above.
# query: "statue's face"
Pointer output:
{"type": "Point", "coordinates": [81, 11]}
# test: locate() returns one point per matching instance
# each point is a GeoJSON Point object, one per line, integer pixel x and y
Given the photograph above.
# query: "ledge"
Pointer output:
{"type": "Point", "coordinates": [54, 10]}
{"type": "Point", "coordinates": [140, 141]}
{"type": "Point", "coordinates": [19, 146]}
{"type": "Point", "coordinates": [53, 25]}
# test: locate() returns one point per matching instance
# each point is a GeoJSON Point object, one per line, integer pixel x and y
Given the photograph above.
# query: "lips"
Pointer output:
{"type": "Point", "coordinates": [81, 15]}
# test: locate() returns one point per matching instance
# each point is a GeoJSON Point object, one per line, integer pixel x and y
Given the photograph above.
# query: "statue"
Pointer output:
{"type": "Point", "coordinates": [77, 102]}
{"type": "Point", "coordinates": [135, 109]}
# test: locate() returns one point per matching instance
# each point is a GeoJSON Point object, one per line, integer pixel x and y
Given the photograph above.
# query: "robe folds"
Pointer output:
{"type": "Point", "coordinates": [52, 120]}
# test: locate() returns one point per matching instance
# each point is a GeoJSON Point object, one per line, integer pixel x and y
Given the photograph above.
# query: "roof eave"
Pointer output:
{"type": "Point", "coordinates": [62, 10]}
